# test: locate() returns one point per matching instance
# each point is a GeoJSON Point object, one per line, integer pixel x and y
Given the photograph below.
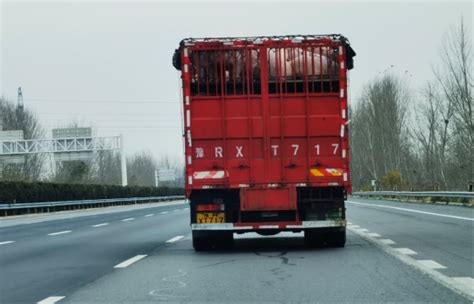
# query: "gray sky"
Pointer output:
{"type": "Point", "coordinates": [109, 63]}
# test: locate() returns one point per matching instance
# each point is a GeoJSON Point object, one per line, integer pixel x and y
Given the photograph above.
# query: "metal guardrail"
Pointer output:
{"type": "Point", "coordinates": [22, 208]}
{"type": "Point", "coordinates": [447, 194]}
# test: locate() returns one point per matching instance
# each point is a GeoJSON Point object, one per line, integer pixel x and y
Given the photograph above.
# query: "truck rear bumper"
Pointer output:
{"type": "Point", "coordinates": [286, 226]}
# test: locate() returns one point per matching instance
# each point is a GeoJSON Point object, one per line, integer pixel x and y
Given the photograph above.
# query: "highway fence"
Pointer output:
{"type": "Point", "coordinates": [435, 197]}
{"type": "Point", "coordinates": [43, 207]}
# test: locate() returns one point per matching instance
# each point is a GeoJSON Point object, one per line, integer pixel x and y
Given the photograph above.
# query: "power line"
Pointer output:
{"type": "Point", "coordinates": [34, 100]}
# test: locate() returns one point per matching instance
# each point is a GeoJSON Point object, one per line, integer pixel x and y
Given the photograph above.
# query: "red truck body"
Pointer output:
{"type": "Point", "coordinates": [266, 135]}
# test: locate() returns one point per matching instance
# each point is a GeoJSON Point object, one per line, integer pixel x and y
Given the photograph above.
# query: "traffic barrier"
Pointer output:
{"type": "Point", "coordinates": [41, 207]}
{"type": "Point", "coordinates": [435, 197]}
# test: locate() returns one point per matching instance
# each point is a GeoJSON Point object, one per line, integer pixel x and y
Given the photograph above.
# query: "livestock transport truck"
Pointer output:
{"type": "Point", "coordinates": [266, 136]}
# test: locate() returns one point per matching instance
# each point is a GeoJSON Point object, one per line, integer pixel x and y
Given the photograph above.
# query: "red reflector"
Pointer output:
{"type": "Point", "coordinates": [210, 207]}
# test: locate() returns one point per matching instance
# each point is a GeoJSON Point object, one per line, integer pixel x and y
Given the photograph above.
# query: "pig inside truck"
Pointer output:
{"type": "Point", "coordinates": [266, 136]}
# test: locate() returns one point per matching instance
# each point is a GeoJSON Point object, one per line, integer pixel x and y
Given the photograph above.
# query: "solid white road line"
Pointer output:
{"type": "Point", "coordinates": [100, 225]}
{"type": "Point", "coordinates": [175, 239]}
{"type": "Point", "coordinates": [128, 219]}
{"type": "Point", "coordinates": [462, 286]}
{"type": "Point", "coordinates": [467, 281]}
{"type": "Point", "coordinates": [6, 242]}
{"type": "Point", "coordinates": [431, 264]}
{"type": "Point", "coordinates": [148, 215]}
{"type": "Point", "coordinates": [50, 300]}
{"type": "Point", "coordinates": [387, 241]}
{"type": "Point", "coordinates": [164, 212]}
{"type": "Point", "coordinates": [405, 251]}
{"type": "Point", "coordinates": [415, 211]}
{"type": "Point", "coordinates": [130, 261]}
{"type": "Point", "coordinates": [373, 234]}
{"type": "Point", "coordinates": [59, 233]}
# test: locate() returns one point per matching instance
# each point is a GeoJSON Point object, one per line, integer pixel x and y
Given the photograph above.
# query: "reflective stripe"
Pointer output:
{"type": "Point", "coordinates": [209, 174]}
{"type": "Point", "coordinates": [324, 172]}
{"type": "Point", "coordinates": [303, 225]}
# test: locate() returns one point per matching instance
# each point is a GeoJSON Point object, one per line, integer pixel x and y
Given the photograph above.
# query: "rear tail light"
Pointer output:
{"type": "Point", "coordinates": [210, 207]}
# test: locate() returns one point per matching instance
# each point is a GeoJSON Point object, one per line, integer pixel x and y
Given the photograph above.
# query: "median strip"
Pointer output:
{"type": "Point", "coordinates": [59, 233]}
{"type": "Point", "coordinates": [130, 261]}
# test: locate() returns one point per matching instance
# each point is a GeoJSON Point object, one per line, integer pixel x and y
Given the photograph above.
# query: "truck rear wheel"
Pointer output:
{"type": "Point", "coordinates": [313, 238]}
{"type": "Point", "coordinates": [336, 238]}
{"type": "Point", "coordinates": [318, 238]}
{"type": "Point", "coordinates": [207, 240]}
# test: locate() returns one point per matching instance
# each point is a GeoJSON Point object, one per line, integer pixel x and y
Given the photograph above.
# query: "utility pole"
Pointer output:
{"type": "Point", "coordinates": [123, 162]}
{"type": "Point", "coordinates": [20, 99]}
{"type": "Point", "coordinates": [156, 178]}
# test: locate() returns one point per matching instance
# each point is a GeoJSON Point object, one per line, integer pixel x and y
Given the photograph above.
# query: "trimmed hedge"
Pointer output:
{"type": "Point", "coordinates": [23, 192]}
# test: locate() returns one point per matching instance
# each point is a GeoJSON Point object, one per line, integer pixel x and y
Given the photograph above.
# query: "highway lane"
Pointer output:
{"type": "Point", "coordinates": [444, 234]}
{"type": "Point", "coordinates": [157, 262]}
{"type": "Point", "coordinates": [43, 261]}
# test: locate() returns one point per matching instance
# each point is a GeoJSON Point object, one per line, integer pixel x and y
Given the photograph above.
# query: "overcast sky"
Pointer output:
{"type": "Point", "coordinates": [109, 63]}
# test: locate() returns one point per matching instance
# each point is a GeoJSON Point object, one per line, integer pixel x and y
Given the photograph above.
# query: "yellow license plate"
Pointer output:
{"type": "Point", "coordinates": [210, 217]}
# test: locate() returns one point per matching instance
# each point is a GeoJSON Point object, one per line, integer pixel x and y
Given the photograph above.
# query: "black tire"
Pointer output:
{"type": "Point", "coordinates": [313, 238]}
{"type": "Point", "coordinates": [200, 241]}
{"type": "Point", "coordinates": [337, 238]}
{"type": "Point", "coordinates": [208, 240]}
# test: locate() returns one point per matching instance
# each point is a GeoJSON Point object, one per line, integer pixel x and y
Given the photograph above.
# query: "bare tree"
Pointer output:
{"type": "Point", "coordinates": [379, 132]}
{"type": "Point", "coordinates": [454, 77]}
{"type": "Point", "coordinates": [141, 169]}
{"type": "Point", "coordinates": [15, 118]}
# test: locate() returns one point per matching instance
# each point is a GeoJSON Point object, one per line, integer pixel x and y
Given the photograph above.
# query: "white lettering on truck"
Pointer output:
{"type": "Point", "coordinates": [275, 150]}
{"type": "Point", "coordinates": [239, 151]}
{"type": "Point", "coordinates": [219, 152]}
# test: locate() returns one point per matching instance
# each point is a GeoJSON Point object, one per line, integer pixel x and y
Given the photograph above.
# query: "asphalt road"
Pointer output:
{"type": "Point", "coordinates": [395, 252]}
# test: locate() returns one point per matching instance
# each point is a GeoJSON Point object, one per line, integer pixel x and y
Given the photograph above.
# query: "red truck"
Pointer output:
{"type": "Point", "coordinates": [266, 136]}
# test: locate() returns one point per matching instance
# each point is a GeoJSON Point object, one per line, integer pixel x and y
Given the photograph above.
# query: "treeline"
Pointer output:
{"type": "Point", "coordinates": [21, 192]}
{"type": "Point", "coordinates": [417, 140]}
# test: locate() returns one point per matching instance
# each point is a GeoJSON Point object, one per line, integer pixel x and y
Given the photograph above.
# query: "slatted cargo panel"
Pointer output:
{"type": "Point", "coordinates": [262, 114]}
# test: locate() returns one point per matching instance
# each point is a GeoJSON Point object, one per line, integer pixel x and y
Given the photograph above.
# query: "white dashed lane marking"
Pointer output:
{"type": "Point", "coordinates": [373, 234]}
{"type": "Point", "coordinates": [461, 285]}
{"type": "Point", "coordinates": [130, 261]}
{"type": "Point", "coordinates": [164, 212]}
{"type": "Point", "coordinates": [407, 251]}
{"type": "Point", "coordinates": [148, 215]}
{"type": "Point", "coordinates": [51, 300]}
{"type": "Point", "coordinates": [59, 233]}
{"type": "Point", "coordinates": [6, 242]}
{"type": "Point", "coordinates": [128, 219]}
{"type": "Point", "coordinates": [100, 225]}
{"type": "Point", "coordinates": [175, 239]}
{"type": "Point", "coordinates": [431, 264]}
{"type": "Point", "coordinates": [387, 241]}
